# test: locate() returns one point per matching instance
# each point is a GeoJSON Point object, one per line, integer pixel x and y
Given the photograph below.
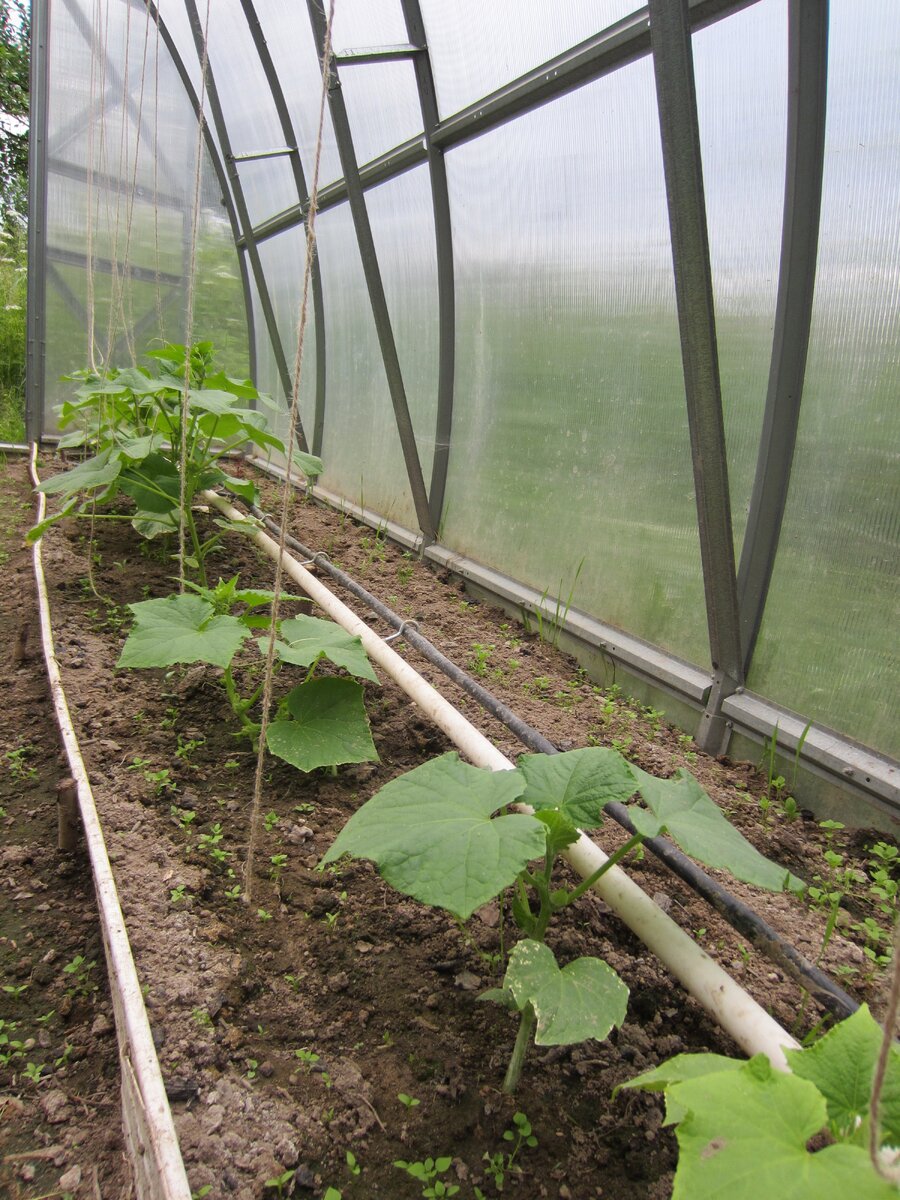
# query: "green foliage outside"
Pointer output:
{"type": "Point", "coordinates": [14, 66]}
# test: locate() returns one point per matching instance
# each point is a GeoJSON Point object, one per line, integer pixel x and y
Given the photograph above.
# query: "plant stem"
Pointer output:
{"type": "Point", "coordinates": [520, 1049]}
{"type": "Point", "coordinates": [631, 844]}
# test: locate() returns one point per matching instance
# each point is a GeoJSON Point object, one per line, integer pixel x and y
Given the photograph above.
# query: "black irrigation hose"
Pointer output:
{"type": "Point", "coordinates": [741, 917]}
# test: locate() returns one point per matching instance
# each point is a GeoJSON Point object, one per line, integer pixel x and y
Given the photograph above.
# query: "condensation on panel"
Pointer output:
{"type": "Point", "coordinates": [283, 261]}
{"type": "Point", "coordinates": [269, 187]}
{"type": "Point", "coordinates": [286, 26]}
{"type": "Point", "coordinates": [740, 67]}
{"type": "Point", "coordinates": [382, 106]}
{"type": "Point", "coordinates": [361, 449]}
{"type": "Point", "coordinates": [476, 47]}
{"type": "Point", "coordinates": [828, 645]}
{"type": "Point", "coordinates": [570, 455]}
{"type": "Point", "coordinates": [241, 85]}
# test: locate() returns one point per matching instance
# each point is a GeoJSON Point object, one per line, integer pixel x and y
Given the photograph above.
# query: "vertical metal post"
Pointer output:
{"type": "Point", "coordinates": [679, 129]}
{"type": "Point", "coordinates": [807, 88]}
{"type": "Point", "coordinates": [374, 284]}
{"type": "Point", "coordinates": [240, 204]}
{"type": "Point", "coordinates": [290, 139]}
{"type": "Point", "coordinates": [36, 318]}
{"type": "Point", "coordinates": [443, 235]}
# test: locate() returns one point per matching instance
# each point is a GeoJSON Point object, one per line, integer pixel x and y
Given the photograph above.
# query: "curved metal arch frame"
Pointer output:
{"type": "Point", "coordinates": [287, 128]}
{"type": "Point", "coordinates": [374, 283]}
{"type": "Point", "coordinates": [443, 237]}
{"type": "Point", "coordinates": [243, 215]}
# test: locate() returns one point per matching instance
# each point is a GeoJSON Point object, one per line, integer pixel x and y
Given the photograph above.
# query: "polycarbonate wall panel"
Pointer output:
{"type": "Point", "coordinates": [360, 23]}
{"type": "Point", "coordinates": [570, 443]}
{"type": "Point", "coordinates": [285, 24]}
{"type": "Point", "coordinates": [241, 84]}
{"type": "Point", "coordinates": [363, 458]}
{"type": "Point", "coordinates": [828, 645]}
{"type": "Point", "coordinates": [382, 105]}
{"type": "Point", "coordinates": [283, 261]}
{"type": "Point", "coordinates": [269, 187]}
{"type": "Point", "coordinates": [741, 75]}
{"type": "Point", "coordinates": [118, 210]}
{"type": "Point", "coordinates": [476, 48]}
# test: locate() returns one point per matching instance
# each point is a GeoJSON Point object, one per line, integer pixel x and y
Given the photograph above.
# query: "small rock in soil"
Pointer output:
{"type": "Point", "coordinates": [55, 1107]}
{"type": "Point", "coordinates": [71, 1179]}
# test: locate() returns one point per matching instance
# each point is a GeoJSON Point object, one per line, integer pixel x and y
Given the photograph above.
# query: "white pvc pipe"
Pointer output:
{"type": "Point", "coordinates": [731, 1006]}
{"type": "Point", "coordinates": [151, 1132]}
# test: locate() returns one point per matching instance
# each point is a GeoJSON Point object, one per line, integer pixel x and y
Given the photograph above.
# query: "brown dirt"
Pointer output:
{"type": "Point", "coordinates": [336, 964]}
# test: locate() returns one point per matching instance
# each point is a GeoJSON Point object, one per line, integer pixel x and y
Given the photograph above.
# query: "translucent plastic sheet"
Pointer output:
{"type": "Point", "coordinates": [570, 457]}
{"type": "Point", "coordinates": [122, 139]}
{"type": "Point", "coordinates": [382, 106]}
{"type": "Point", "coordinates": [476, 47]}
{"type": "Point", "coordinates": [828, 645]}
{"type": "Point", "coordinates": [740, 67]}
{"type": "Point", "coordinates": [363, 458]}
{"type": "Point", "coordinates": [283, 260]}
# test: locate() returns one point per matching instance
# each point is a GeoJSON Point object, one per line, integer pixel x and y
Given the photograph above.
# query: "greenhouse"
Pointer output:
{"type": "Point", "coordinates": [460, 481]}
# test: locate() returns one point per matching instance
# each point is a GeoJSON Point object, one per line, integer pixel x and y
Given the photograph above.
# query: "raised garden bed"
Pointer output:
{"type": "Point", "coordinates": [306, 1026]}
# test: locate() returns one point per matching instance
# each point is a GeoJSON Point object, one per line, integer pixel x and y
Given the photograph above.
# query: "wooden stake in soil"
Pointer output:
{"type": "Point", "coordinates": [67, 814]}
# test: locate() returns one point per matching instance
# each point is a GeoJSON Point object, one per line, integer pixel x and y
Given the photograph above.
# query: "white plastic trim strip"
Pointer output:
{"type": "Point", "coordinates": [158, 1169]}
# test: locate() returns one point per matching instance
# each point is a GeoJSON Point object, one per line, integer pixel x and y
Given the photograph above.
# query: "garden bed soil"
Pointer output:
{"type": "Point", "coordinates": [377, 993]}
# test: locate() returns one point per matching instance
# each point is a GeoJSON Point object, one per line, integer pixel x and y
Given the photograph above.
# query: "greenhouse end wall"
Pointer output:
{"type": "Point", "coordinates": [498, 276]}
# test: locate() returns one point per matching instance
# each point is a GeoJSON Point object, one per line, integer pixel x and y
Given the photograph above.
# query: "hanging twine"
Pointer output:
{"type": "Point", "coordinates": [189, 307]}
{"type": "Point", "coordinates": [287, 484]}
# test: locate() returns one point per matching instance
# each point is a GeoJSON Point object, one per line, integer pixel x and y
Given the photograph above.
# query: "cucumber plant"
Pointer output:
{"type": "Point", "coordinates": [320, 723]}
{"type": "Point", "coordinates": [131, 419]}
{"type": "Point", "coordinates": [446, 833]}
{"type": "Point", "coordinates": [743, 1128]}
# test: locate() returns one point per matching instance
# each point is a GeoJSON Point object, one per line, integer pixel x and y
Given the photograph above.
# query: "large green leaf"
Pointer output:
{"type": "Point", "coordinates": [745, 1134]}
{"type": "Point", "coordinates": [154, 486]}
{"type": "Point", "coordinates": [96, 472]}
{"type": "Point", "coordinates": [309, 464]}
{"type": "Point", "coordinates": [677, 1070]}
{"type": "Point", "coordinates": [682, 808]}
{"type": "Point", "coordinates": [579, 783]}
{"type": "Point", "coordinates": [432, 835]}
{"type": "Point", "coordinates": [842, 1065]}
{"type": "Point", "coordinates": [583, 1000]}
{"type": "Point", "coordinates": [329, 726]}
{"type": "Point", "coordinates": [304, 640]}
{"type": "Point", "coordinates": [181, 629]}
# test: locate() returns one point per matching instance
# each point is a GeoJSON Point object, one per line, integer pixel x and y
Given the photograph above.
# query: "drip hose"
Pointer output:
{"type": "Point", "coordinates": [739, 916]}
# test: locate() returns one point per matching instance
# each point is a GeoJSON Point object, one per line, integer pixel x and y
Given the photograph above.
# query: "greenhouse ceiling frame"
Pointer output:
{"type": "Point", "coordinates": [735, 593]}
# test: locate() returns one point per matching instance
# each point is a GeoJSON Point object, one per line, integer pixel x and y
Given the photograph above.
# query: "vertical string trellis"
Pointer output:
{"type": "Point", "coordinates": [287, 483]}
{"type": "Point", "coordinates": [189, 305]}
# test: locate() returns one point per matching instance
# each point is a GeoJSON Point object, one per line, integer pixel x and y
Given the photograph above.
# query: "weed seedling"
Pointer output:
{"type": "Point", "coordinates": [308, 1057]}
{"type": "Point", "coordinates": [264, 914]}
{"type": "Point", "coordinates": [480, 657]}
{"type": "Point", "coordinates": [18, 768]}
{"type": "Point", "coordinates": [427, 1173]}
{"type": "Point", "coordinates": [79, 971]}
{"type": "Point", "coordinates": [280, 1182]}
{"type": "Point", "coordinates": [33, 1071]}
{"type": "Point", "coordinates": [270, 821]}
{"type": "Point", "coordinates": [408, 1102]}
{"type": "Point", "coordinates": [352, 1165]}
{"type": "Point", "coordinates": [176, 895]}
